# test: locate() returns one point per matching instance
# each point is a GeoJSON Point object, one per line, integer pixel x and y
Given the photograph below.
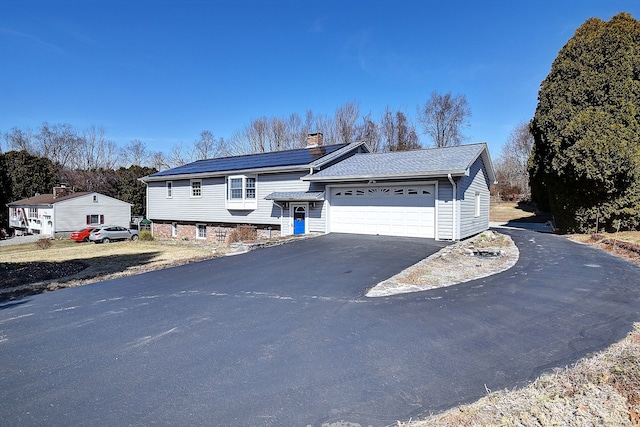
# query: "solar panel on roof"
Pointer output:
{"type": "Point", "coordinates": [297, 157]}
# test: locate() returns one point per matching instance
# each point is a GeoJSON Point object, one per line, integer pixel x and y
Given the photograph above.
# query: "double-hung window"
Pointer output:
{"type": "Point", "coordinates": [169, 185]}
{"type": "Point", "coordinates": [241, 192]}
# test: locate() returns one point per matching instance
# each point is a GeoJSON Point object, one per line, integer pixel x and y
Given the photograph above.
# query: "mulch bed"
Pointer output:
{"type": "Point", "coordinates": [17, 274]}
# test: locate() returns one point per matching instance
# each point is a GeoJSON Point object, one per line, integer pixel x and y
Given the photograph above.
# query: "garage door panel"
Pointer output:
{"type": "Point", "coordinates": [397, 211]}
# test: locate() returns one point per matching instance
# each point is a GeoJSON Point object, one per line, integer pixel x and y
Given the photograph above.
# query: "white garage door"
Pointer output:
{"type": "Point", "coordinates": [391, 211]}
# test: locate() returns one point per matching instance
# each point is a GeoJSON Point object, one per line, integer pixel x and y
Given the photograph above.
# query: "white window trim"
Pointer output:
{"type": "Point", "coordinates": [477, 204]}
{"type": "Point", "coordinates": [244, 203]}
{"type": "Point", "coordinates": [169, 189]}
{"type": "Point", "coordinates": [191, 188]}
{"type": "Point", "coordinates": [197, 231]}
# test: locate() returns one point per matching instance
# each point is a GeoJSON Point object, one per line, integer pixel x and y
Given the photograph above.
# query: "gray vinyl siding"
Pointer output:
{"type": "Point", "coordinates": [444, 226]}
{"type": "Point", "coordinates": [211, 207]}
{"type": "Point", "coordinates": [318, 217]}
{"type": "Point", "coordinates": [71, 215]}
{"type": "Point", "coordinates": [476, 182]}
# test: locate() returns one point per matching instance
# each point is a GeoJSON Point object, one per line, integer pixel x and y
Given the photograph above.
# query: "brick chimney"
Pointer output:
{"type": "Point", "coordinates": [314, 139]}
{"type": "Point", "coordinates": [61, 191]}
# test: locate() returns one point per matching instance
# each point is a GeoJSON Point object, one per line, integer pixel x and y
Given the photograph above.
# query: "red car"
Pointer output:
{"type": "Point", "coordinates": [82, 235]}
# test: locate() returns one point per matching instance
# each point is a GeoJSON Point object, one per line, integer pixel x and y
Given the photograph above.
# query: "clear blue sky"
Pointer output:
{"type": "Point", "coordinates": [162, 71]}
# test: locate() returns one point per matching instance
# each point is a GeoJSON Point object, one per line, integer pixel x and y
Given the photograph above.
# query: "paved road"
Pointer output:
{"type": "Point", "coordinates": [283, 336]}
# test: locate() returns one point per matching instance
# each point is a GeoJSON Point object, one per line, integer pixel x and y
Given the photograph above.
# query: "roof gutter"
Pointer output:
{"type": "Point", "coordinates": [454, 198]}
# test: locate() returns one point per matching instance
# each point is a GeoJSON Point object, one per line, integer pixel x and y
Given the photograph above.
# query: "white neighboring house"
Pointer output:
{"type": "Point", "coordinates": [60, 213]}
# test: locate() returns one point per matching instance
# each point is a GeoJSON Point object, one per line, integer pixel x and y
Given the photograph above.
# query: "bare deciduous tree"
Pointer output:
{"type": "Point", "coordinates": [398, 133]}
{"type": "Point", "coordinates": [345, 120]}
{"type": "Point", "coordinates": [158, 161]}
{"type": "Point", "coordinates": [369, 132]}
{"type": "Point", "coordinates": [177, 156]}
{"type": "Point", "coordinates": [95, 151]}
{"type": "Point", "coordinates": [512, 165]}
{"type": "Point", "coordinates": [20, 139]}
{"type": "Point", "coordinates": [443, 117]}
{"type": "Point", "coordinates": [59, 143]}
{"type": "Point", "coordinates": [135, 153]}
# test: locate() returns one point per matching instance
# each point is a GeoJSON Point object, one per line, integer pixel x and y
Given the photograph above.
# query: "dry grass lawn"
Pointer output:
{"type": "Point", "coordinates": [503, 212]}
{"type": "Point", "coordinates": [100, 262]}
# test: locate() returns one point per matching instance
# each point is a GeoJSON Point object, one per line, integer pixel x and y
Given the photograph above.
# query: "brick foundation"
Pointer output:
{"type": "Point", "coordinates": [215, 233]}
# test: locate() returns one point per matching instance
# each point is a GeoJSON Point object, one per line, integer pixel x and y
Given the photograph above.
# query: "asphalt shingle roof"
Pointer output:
{"type": "Point", "coordinates": [46, 199]}
{"type": "Point", "coordinates": [297, 157]}
{"type": "Point", "coordinates": [432, 161]}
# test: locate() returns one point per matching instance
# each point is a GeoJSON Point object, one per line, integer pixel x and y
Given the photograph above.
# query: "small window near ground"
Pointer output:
{"type": "Point", "coordinates": [196, 188]}
{"type": "Point", "coordinates": [477, 200]}
{"type": "Point", "coordinates": [201, 231]}
{"type": "Point", "coordinates": [174, 229]}
{"type": "Point", "coordinates": [169, 189]}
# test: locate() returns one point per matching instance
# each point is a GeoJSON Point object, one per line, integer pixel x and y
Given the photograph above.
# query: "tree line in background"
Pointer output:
{"type": "Point", "coordinates": [24, 175]}
{"type": "Point", "coordinates": [36, 160]}
{"type": "Point", "coordinates": [442, 118]}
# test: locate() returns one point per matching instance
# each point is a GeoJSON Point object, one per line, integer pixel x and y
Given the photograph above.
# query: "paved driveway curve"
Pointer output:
{"type": "Point", "coordinates": [283, 336]}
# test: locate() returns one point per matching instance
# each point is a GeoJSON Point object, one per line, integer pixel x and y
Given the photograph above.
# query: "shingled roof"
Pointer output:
{"type": "Point", "coordinates": [46, 199]}
{"type": "Point", "coordinates": [432, 162]}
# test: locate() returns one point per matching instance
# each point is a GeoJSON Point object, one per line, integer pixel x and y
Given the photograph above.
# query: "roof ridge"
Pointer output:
{"type": "Point", "coordinates": [424, 149]}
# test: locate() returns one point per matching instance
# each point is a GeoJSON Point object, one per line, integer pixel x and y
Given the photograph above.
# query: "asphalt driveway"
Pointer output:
{"type": "Point", "coordinates": [284, 336]}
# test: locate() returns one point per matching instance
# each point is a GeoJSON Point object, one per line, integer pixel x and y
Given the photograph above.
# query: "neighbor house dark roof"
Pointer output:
{"type": "Point", "coordinates": [430, 162]}
{"type": "Point", "coordinates": [301, 157]}
{"type": "Point", "coordinates": [46, 199]}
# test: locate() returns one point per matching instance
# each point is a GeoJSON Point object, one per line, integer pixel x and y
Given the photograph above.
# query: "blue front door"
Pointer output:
{"type": "Point", "coordinates": [299, 214]}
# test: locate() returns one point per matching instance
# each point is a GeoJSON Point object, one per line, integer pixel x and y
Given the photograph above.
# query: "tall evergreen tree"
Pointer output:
{"type": "Point", "coordinates": [585, 164]}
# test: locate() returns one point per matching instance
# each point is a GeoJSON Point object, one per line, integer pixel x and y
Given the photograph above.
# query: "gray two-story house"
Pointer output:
{"type": "Point", "coordinates": [440, 193]}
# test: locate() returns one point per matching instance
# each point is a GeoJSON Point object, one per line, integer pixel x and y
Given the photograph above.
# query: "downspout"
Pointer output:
{"type": "Point", "coordinates": [454, 198]}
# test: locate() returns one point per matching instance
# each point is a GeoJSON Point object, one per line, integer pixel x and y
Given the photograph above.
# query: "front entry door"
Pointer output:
{"type": "Point", "coordinates": [299, 219]}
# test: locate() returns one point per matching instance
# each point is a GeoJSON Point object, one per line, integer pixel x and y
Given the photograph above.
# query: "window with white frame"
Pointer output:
{"type": "Point", "coordinates": [241, 193]}
{"type": "Point", "coordinates": [174, 229]}
{"type": "Point", "coordinates": [196, 188]}
{"type": "Point", "coordinates": [95, 198]}
{"type": "Point", "coordinates": [169, 189]}
{"type": "Point", "coordinates": [33, 212]}
{"type": "Point", "coordinates": [477, 201]}
{"type": "Point", "coordinates": [201, 231]}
